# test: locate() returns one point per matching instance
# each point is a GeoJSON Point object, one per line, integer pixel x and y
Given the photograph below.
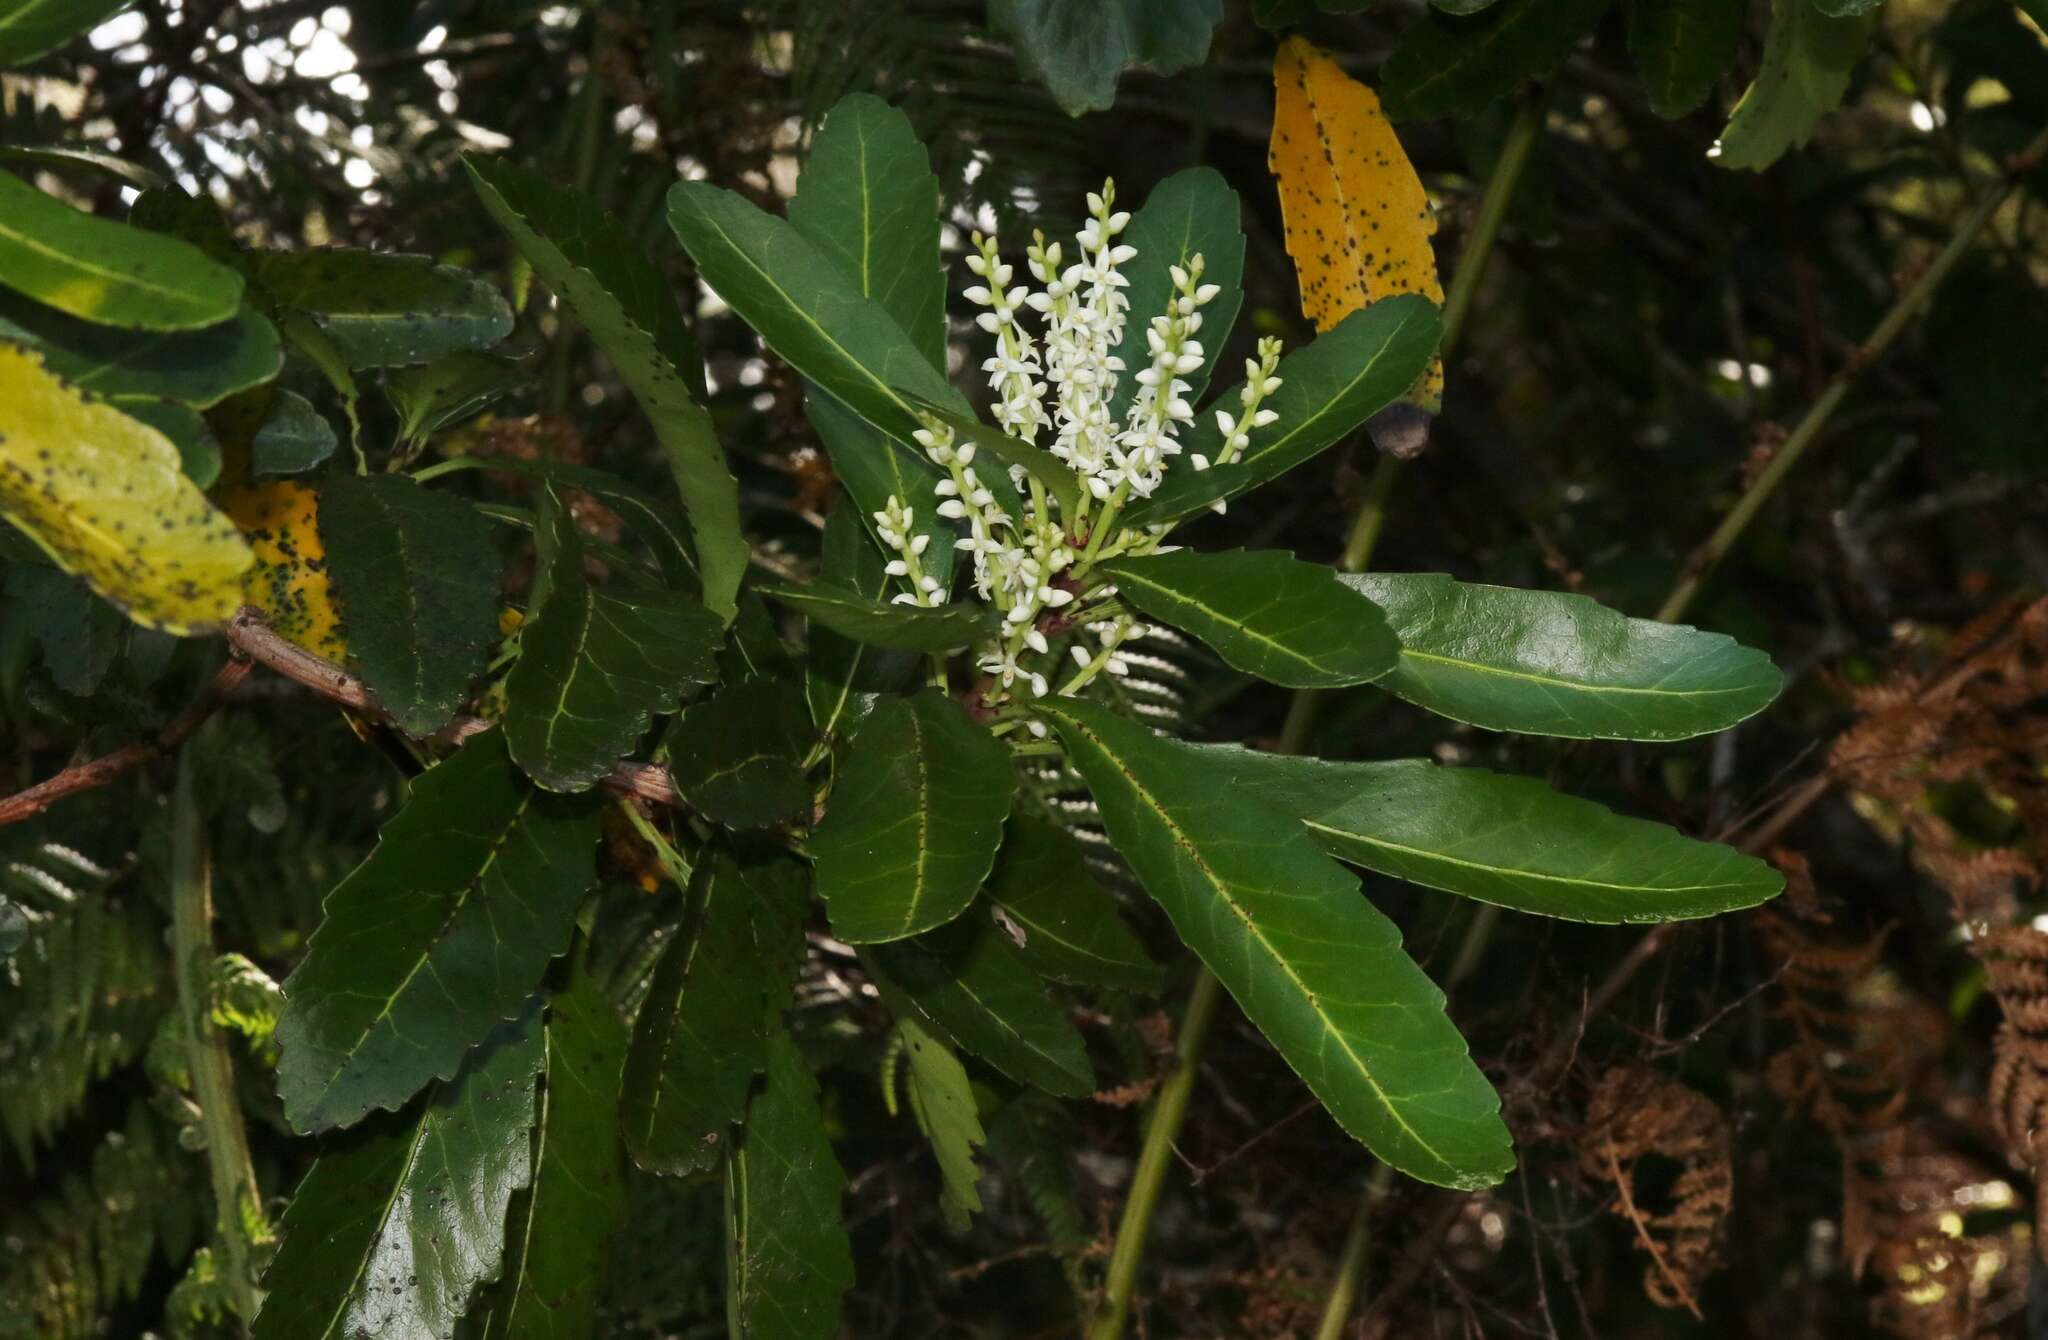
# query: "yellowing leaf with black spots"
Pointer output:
{"type": "Point", "coordinates": [288, 582]}
{"type": "Point", "coordinates": [103, 495]}
{"type": "Point", "coordinates": [1358, 221]}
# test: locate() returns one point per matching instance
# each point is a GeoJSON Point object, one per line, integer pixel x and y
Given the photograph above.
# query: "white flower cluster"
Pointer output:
{"type": "Point", "coordinates": [1027, 565]}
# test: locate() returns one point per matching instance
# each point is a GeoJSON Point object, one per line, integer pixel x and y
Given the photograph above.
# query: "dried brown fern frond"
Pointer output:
{"type": "Point", "coordinates": [1941, 1280]}
{"type": "Point", "coordinates": [1860, 1051]}
{"type": "Point", "coordinates": [1964, 732]}
{"type": "Point", "coordinates": [1637, 1114]}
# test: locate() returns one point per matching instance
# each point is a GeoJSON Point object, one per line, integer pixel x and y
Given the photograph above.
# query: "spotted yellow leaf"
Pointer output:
{"type": "Point", "coordinates": [102, 494]}
{"type": "Point", "coordinates": [288, 581]}
{"type": "Point", "coordinates": [1358, 221]}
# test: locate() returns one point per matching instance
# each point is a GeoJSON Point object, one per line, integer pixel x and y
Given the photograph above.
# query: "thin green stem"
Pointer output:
{"type": "Point", "coordinates": [1810, 428]}
{"type": "Point", "coordinates": [1351, 1263]}
{"type": "Point", "coordinates": [1170, 1108]}
{"type": "Point", "coordinates": [1493, 212]}
{"type": "Point", "coordinates": [238, 1203]}
{"type": "Point", "coordinates": [1155, 1157]}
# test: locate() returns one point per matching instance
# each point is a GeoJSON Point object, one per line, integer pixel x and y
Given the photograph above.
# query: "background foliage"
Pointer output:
{"type": "Point", "coordinates": [1811, 1118]}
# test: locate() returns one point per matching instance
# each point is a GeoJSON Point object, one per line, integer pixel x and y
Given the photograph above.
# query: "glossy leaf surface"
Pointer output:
{"type": "Point", "coordinates": [193, 367]}
{"type": "Point", "coordinates": [841, 675]}
{"type": "Point", "coordinates": [1265, 613]}
{"type": "Point", "coordinates": [1511, 841]}
{"type": "Point", "coordinates": [788, 1260]}
{"type": "Point", "coordinates": [416, 572]}
{"type": "Point", "coordinates": [559, 1232]}
{"type": "Point", "coordinates": [380, 309]}
{"type": "Point", "coordinates": [807, 310]}
{"type": "Point", "coordinates": [884, 623]}
{"type": "Point", "coordinates": [292, 438]}
{"type": "Point", "coordinates": [1328, 388]}
{"type": "Point", "coordinates": [738, 755]}
{"type": "Point", "coordinates": [106, 272]}
{"type": "Point", "coordinates": [1551, 663]}
{"type": "Point", "coordinates": [28, 28]}
{"type": "Point", "coordinates": [588, 259]}
{"type": "Point", "coordinates": [1311, 962]}
{"type": "Point", "coordinates": [597, 665]}
{"type": "Point", "coordinates": [442, 932]}
{"type": "Point", "coordinates": [971, 983]}
{"type": "Point", "coordinates": [914, 821]}
{"type": "Point", "coordinates": [1069, 923]}
{"type": "Point", "coordinates": [1192, 213]}
{"type": "Point", "coordinates": [1077, 48]}
{"type": "Point", "coordinates": [873, 467]}
{"type": "Point", "coordinates": [398, 1226]}
{"type": "Point", "coordinates": [1808, 58]}
{"type": "Point", "coordinates": [702, 1033]}
{"type": "Point", "coordinates": [868, 200]}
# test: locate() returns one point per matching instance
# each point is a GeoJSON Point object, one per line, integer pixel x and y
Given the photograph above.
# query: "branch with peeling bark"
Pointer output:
{"type": "Point", "coordinates": [252, 637]}
{"type": "Point", "coordinates": [254, 642]}
{"type": "Point", "coordinates": [31, 801]}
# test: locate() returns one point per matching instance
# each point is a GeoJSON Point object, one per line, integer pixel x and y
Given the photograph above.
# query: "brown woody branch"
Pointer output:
{"type": "Point", "coordinates": [252, 637]}
{"type": "Point", "coordinates": [98, 772]}
{"type": "Point", "coordinates": [255, 642]}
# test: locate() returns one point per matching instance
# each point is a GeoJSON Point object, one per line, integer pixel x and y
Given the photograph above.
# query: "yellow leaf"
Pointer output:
{"type": "Point", "coordinates": [1358, 221]}
{"type": "Point", "coordinates": [289, 580]}
{"type": "Point", "coordinates": [103, 496]}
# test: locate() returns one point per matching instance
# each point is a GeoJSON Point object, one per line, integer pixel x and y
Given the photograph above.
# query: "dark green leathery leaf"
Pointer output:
{"type": "Point", "coordinates": [788, 1259]}
{"type": "Point", "coordinates": [440, 933]}
{"type": "Point", "coordinates": [869, 201]}
{"type": "Point", "coordinates": [1265, 613]}
{"type": "Point", "coordinates": [1315, 966]}
{"type": "Point", "coordinates": [887, 623]}
{"type": "Point", "coordinates": [106, 272]}
{"type": "Point", "coordinates": [1553, 663]}
{"type": "Point", "coordinates": [1078, 48]}
{"type": "Point", "coordinates": [400, 1224]}
{"type": "Point", "coordinates": [559, 1232]}
{"type": "Point", "coordinates": [969, 981]}
{"type": "Point", "coordinates": [914, 821]}
{"type": "Point", "coordinates": [738, 755]}
{"type": "Point", "coordinates": [1192, 213]}
{"type": "Point", "coordinates": [1510, 841]}
{"type": "Point", "coordinates": [1065, 921]}
{"type": "Point", "coordinates": [380, 309]}
{"type": "Point", "coordinates": [416, 574]}
{"type": "Point", "coordinates": [198, 368]}
{"type": "Point", "coordinates": [592, 264]}
{"type": "Point", "coordinates": [1329, 387]}
{"type": "Point", "coordinates": [702, 1033]}
{"type": "Point", "coordinates": [597, 665]}
{"type": "Point", "coordinates": [841, 675]}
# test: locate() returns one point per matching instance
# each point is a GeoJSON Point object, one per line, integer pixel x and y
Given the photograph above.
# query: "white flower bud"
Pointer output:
{"type": "Point", "coordinates": [918, 544]}
{"type": "Point", "coordinates": [952, 509]}
{"type": "Point", "coordinates": [896, 567]}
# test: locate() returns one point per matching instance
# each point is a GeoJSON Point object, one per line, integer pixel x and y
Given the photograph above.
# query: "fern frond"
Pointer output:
{"type": "Point", "coordinates": [87, 1246]}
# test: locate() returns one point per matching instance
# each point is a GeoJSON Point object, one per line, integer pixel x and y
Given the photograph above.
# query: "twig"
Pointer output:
{"type": "Point", "coordinates": [1163, 1125]}
{"type": "Point", "coordinates": [1643, 1235]}
{"type": "Point", "coordinates": [33, 800]}
{"type": "Point", "coordinates": [1809, 430]}
{"type": "Point", "coordinates": [239, 1221]}
{"type": "Point", "coordinates": [258, 641]}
